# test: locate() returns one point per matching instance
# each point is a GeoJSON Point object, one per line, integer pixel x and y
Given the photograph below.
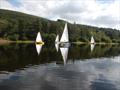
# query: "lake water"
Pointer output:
{"type": "Point", "coordinates": [82, 67]}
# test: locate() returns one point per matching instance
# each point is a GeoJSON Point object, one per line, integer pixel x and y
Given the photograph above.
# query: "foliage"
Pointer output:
{"type": "Point", "coordinates": [20, 26]}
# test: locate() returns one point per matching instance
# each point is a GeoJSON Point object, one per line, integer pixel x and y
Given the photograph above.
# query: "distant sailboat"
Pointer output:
{"type": "Point", "coordinates": [92, 40]}
{"type": "Point", "coordinates": [39, 39]}
{"type": "Point", "coordinates": [57, 43]}
{"type": "Point", "coordinates": [38, 48]}
{"type": "Point", "coordinates": [64, 52]}
{"type": "Point", "coordinates": [65, 37]}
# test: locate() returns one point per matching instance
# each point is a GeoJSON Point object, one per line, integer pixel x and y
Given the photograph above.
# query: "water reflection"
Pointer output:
{"type": "Point", "coordinates": [82, 75]}
{"type": "Point", "coordinates": [92, 46]}
{"type": "Point", "coordinates": [116, 59]}
{"type": "Point", "coordinates": [21, 68]}
{"type": "Point", "coordinates": [38, 48]}
{"type": "Point", "coordinates": [57, 46]}
{"type": "Point", "coordinates": [17, 56]}
{"type": "Point", "coordinates": [64, 52]}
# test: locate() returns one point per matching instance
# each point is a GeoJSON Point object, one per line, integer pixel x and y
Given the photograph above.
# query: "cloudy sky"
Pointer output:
{"type": "Point", "coordinates": [102, 13]}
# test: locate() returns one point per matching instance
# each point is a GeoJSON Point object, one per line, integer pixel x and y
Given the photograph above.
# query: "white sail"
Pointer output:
{"type": "Point", "coordinates": [57, 46]}
{"type": "Point", "coordinates": [92, 46]}
{"type": "Point", "coordinates": [92, 40]}
{"type": "Point", "coordinates": [38, 38]}
{"type": "Point", "coordinates": [57, 38]}
{"type": "Point", "coordinates": [65, 37]}
{"type": "Point", "coordinates": [64, 52]}
{"type": "Point", "coordinates": [38, 48]}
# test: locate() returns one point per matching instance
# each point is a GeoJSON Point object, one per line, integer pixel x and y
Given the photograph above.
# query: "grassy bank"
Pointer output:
{"type": "Point", "coordinates": [20, 41]}
{"type": "Point", "coordinates": [3, 41]}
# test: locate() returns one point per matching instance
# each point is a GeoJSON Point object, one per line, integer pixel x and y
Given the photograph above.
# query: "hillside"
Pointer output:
{"type": "Point", "coordinates": [20, 26]}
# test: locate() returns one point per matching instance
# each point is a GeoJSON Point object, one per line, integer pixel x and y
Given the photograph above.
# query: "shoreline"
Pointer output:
{"type": "Point", "coordinates": [20, 41]}
{"type": "Point", "coordinates": [79, 43]}
{"type": "Point", "coordinates": [4, 41]}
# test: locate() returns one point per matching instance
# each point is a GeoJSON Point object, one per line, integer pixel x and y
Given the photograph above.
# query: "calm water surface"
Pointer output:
{"type": "Point", "coordinates": [83, 67]}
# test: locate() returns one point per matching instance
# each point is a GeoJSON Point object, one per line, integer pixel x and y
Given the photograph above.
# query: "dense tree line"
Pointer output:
{"type": "Point", "coordinates": [20, 26]}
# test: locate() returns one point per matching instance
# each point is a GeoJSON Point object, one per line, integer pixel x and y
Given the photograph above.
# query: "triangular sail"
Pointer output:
{"type": "Point", "coordinates": [57, 38]}
{"type": "Point", "coordinates": [38, 48]}
{"type": "Point", "coordinates": [64, 52]}
{"type": "Point", "coordinates": [65, 37]}
{"type": "Point", "coordinates": [92, 40]}
{"type": "Point", "coordinates": [38, 38]}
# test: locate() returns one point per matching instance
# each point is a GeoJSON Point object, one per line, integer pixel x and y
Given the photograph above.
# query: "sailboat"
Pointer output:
{"type": "Point", "coordinates": [92, 40]}
{"type": "Point", "coordinates": [39, 39]}
{"type": "Point", "coordinates": [57, 43]}
{"type": "Point", "coordinates": [38, 48]}
{"type": "Point", "coordinates": [65, 37]}
{"type": "Point", "coordinates": [64, 52]}
{"type": "Point", "coordinates": [57, 39]}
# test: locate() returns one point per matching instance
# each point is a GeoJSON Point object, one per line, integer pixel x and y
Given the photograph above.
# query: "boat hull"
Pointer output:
{"type": "Point", "coordinates": [39, 43]}
{"type": "Point", "coordinates": [64, 44]}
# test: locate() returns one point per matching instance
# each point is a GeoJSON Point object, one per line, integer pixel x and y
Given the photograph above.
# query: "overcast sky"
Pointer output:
{"type": "Point", "coordinates": [102, 13]}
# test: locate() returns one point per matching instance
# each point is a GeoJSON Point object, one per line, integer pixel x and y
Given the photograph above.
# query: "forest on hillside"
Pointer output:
{"type": "Point", "coordinates": [20, 26]}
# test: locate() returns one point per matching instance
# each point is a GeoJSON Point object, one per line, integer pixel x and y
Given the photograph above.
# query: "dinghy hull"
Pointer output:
{"type": "Point", "coordinates": [39, 43]}
{"type": "Point", "coordinates": [64, 44]}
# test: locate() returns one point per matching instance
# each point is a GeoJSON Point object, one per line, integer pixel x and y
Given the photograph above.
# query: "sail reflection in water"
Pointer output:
{"type": "Point", "coordinates": [92, 46]}
{"type": "Point", "coordinates": [64, 52]}
{"type": "Point", "coordinates": [38, 48]}
{"type": "Point", "coordinates": [57, 46]}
